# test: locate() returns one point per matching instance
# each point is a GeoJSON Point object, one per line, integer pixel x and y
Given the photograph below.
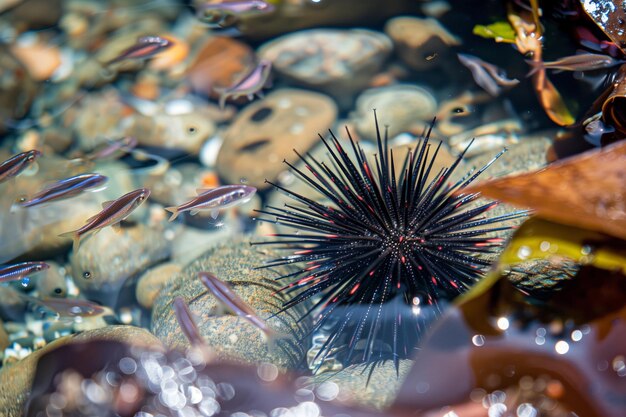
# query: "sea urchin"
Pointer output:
{"type": "Point", "coordinates": [388, 242]}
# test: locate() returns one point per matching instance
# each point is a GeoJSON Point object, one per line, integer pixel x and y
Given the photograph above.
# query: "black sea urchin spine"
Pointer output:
{"type": "Point", "coordinates": [385, 236]}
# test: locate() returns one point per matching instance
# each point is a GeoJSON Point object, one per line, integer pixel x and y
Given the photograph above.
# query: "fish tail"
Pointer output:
{"type": "Point", "coordinates": [75, 236]}
{"type": "Point", "coordinates": [175, 212]}
{"type": "Point", "coordinates": [535, 67]}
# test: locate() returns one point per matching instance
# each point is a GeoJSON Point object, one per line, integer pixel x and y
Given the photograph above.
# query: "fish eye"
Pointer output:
{"type": "Point", "coordinates": [458, 110]}
{"type": "Point", "coordinates": [58, 290]}
{"type": "Point", "coordinates": [20, 199]}
{"type": "Point", "coordinates": [529, 54]}
{"type": "Point", "coordinates": [192, 129]}
{"type": "Point", "coordinates": [86, 274]}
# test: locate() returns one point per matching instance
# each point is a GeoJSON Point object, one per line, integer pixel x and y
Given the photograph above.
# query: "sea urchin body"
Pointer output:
{"type": "Point", "coordinates": [388, 242]}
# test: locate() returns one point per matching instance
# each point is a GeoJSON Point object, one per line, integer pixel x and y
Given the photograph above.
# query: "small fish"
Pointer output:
{"type": "Point", "coordinates": [18, 271]}
{"type": "Point", "coordinates": [17, 163]}
{"type": "Point", "coordinates": [215, 199]}
{"type": "Point", "coordinates": [232, 301]}
{"type": "Point", "coordinates": [224, 15]}
{"type": "Point", "coordinates": [579, 62]}
{"type": "Point", "coordinates": [249, 85]}
{"type": "Point", "coordinates": [187, 323]}
{"type": "Point", "coordinates": [113, 149]}
{"type": "Point", "coordinates": [66, 188]}
{"type": "Point", "coordinates": [146, 47]}
{"type": "Point", "coordinates": [486, 75]}
{"type": "Point", "coordinates": [113, 212]}
{"type": "Point", "coordinates": [65, 307]}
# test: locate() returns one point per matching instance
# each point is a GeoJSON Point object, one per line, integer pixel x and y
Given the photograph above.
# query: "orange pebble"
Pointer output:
{"type": "Point", "coordinates": [39, 59]}
{"type": "Point", "coordinates": [210, 180]}
{"type": "Point", "coordinates": [171, 56]}
{"type": "Point", "coordinates": [146, 89]}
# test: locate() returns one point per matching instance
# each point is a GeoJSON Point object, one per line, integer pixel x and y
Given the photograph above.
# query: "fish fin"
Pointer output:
{"type": "Point", "coordinates": [215, 213]}
{"type": "Point", "coordinates": [194, 212]}
{"type": "Point", "coordinates": [107, 204]}
{"type": "Point", "coordinates": [203, 190]}
{"type": "Point", "coordinates": [117, 227]}
{"type": "Point", "coordinates": [92, 218]}
{"type": "Point", "coordinates": [535, 66]}
{"type": "Point", "coordinates": [75, 236]}
{"type": "Point", "coordinates": [174, 211]}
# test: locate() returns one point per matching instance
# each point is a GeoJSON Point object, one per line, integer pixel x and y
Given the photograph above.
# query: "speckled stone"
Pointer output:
{"type": "Point", "coordinates": [151, 282]}
{"type": "Point", "coordinates": [105, 261]}
{"type": "Point", "coordinates": [527, 155]}
{"type": "Point", "coordinates": [233, 337]}
{"type": "Point", "coordinates": [16, 379]}
{"type": "Point", "coordinates": [51, 282]}
{"type": "Point", "coordinates": [355, 389]}
{"type": "Point", "coordinates": [267, 131]}
{"type": "Point", "coordinates": [423, 44]}
{"type": "Point", "coordinates": [338, 62]}
{"type": "Point", "coordinates": [4, 337]}
{"type": "Point", "coordinates": [399, 106]}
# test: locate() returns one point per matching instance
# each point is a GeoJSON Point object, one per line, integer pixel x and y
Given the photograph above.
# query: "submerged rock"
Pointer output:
{"type": "Point", "coordinates": [51, 282]}
{"type": "Point", "coordinates": [399, 106]}
{"type": "Point", "coordinates": [151, 282]}
{"type": "Point", "coordinates": [423, 44]}
{"type": "Point", "coordinates": [18, 89]}
{"type": "Point", "coordinates": [16, 379]}
{"type": "Point", "coordinates": [105, 261]}
{"type": "Point", "coordinates": [338, 62]}
{"type": "Point", "coordinates": [231, 336]}
{"type": "Point", "coordinates": [360, 385]}
{"type": "Point", "coordinates": [266, 132]}
{"type": "Point", "coordinates": [217, 63]}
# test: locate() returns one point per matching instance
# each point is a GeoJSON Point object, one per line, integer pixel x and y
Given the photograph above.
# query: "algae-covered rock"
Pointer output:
{"type": "Point", "coordinates": [231, 336]}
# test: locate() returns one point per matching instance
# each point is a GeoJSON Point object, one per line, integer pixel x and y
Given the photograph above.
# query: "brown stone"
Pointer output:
{"type": "Point", "coordinates": [422, 44]}
{"type": "Point", "coordinates": [266, 132]}
{"type": "Point", "coordinates": [218, 63]}
{"type": "Point", "coordinates": [152, 281]}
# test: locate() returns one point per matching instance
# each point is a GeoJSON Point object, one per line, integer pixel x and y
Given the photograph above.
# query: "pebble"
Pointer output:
{"type": "Point", "coordinates": [527, 155]}
{"type": "Point", "coordinates": [337, 62]}
{"type": "Point", "coordinates": [231, 336]}
{"type": "Point", "coordinates": [399, 106]}
{"type": "Point", "coordinates": [354, 385]}
{"type": "Point", "coordinates": [218, 62]}
{"type": "Point", "coordinates": [51, 282]}
{"type": "Point", "coordinates": [105, 261]}
{"type": "Point", "coordinates": [151, 282]}
{"type": "Point", "coordinates": [33, 233]}
{"type": "Point", "coordinates": [18, 89]}
{"type": "Point", "coordinates": [4, 337]}
{"type": "Point", "coordinates": [184, 132]}
{"type": "Point", "coordinates": [12, 306]}
{"type": "Point", "coordinates": [171, 57]}
{"type": "Point", "coordinates": [290, 16]}
{"type": "Point", "coordinates": [267, 131]}
{"type": "Point", "coordinates": [423, 44]}
{"type": "Point", "coordinates": [16, 379]}
{"type": "Point", "coordinates": [41, 60]}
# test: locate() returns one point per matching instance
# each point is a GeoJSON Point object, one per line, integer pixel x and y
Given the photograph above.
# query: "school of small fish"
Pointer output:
{"type": "Point", "coordinates": [112, 214]}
